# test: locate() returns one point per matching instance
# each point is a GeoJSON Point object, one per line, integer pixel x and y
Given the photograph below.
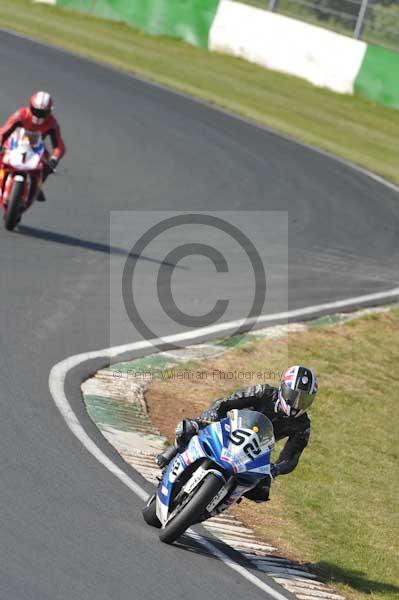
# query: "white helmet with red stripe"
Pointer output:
{"type": "Point", "coordinates": [41, 106]}
{"type": "Point", "coordinates": [298, 388]}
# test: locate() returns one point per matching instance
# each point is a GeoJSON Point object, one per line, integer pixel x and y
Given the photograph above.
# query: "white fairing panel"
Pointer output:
{"type": "Point", "coordinates": [162, 511]}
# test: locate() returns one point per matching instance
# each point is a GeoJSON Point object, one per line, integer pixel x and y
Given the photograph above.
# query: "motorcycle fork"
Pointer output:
{"type": "Point", "coordinates": [2, 182]}
{"type": "Point", "coordinates": [26, 195]}
{"type": "Point", "coordinates": [9, 180]}
{"type": "Point", "coordinates": [35, 183]}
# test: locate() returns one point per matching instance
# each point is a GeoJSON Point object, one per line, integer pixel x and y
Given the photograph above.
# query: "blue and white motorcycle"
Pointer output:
{"type": "Point", "coordinates": [226, 459]}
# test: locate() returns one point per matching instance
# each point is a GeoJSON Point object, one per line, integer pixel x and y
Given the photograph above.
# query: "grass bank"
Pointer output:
{"type": "Point", "coordinates": [339, 510]}
{"type": "Point", "coordinates": [350, 127]}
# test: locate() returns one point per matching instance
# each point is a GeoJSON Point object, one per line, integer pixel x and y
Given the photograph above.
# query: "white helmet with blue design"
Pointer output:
{"type": "Point", "coordinates": [298, 388]}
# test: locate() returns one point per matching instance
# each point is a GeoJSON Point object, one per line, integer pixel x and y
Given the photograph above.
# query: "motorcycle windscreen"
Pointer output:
{"type": "Point", "coordinates": [255, 422]}
{"type": "Point", "coordinates": [23, 138]}
{"type": "Point", "coordinates": [250, 440]}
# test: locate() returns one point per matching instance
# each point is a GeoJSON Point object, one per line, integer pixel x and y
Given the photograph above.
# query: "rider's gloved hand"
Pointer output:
{"type": "Point", "coordinates": [52, 163]}
{"type": "Point", "coordinates": [274, 471]}
{"type": "Point", "coordinates": [209, 416]}
{"type": "Point", "coordinates": [185, 430]}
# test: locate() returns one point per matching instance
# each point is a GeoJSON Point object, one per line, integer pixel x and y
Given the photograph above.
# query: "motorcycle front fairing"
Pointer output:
{"type": "Point", "coordinates": [236, 450]}
{"type": "Point", "coordinates": [174, 471]}
{"type": "Point", "coordinates": [24, 156]}
{"type": "Point", "coordinates": [24, 152]}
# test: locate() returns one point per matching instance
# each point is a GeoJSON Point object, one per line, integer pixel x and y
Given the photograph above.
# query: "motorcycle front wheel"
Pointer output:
{"type": "Point", "coordinates": [12, 216]}
{"type": "Point", "coordinates": [193, 510]}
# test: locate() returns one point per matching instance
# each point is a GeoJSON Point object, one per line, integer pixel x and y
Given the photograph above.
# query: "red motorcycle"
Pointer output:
{"type": "Point", "coordinates": [21, 173]}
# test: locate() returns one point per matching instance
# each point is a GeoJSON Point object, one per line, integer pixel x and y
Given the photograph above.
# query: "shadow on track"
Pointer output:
{"type": "Point", "coordinates": [327, 572]}
{"type": "Point", "coordinates": [69, 240]}
{"type": "Point", "coordinates": [355, 579]}
{"type": "Point", "coordinates": [189, 543]}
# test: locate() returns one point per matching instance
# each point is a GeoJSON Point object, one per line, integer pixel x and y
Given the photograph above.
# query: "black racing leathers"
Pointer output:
{"type": "Point", "coordinates": [264, 398]}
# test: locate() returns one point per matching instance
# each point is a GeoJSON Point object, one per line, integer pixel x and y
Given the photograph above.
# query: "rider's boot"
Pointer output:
{"type": "Point", "coordinates": [163, 459]}
{"type": "Point", "coordinates": [261, 492]}
{"type": "Point", "coordinates": [41, 197]}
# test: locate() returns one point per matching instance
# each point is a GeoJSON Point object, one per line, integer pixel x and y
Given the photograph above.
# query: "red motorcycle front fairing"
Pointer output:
{"type": "Point", "coordinates": [24, 158]}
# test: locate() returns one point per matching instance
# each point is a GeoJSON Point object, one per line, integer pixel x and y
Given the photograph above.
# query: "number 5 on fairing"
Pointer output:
{"type": "Point", "coordinates": [240, 436]}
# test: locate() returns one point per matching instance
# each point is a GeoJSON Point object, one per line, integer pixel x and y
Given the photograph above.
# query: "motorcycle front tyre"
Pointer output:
{"type": "Point", "coordinates": [12, 216]}
{"type": "Point", "coordinates": [190, 514]}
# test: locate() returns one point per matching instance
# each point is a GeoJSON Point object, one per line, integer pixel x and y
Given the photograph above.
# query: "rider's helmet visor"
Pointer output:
{"type": "Point", "coordinates": [40, 113]}
{"type": "Point", "coordinates": [298, 400]}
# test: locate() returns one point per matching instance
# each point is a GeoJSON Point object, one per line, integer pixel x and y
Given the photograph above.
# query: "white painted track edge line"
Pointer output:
{"type": "Point", "coordinates": [238, 568]}
{"type": "Point", "coordinates": [57, 388]}
{"type": "Point", "coordinates": [347, 303]}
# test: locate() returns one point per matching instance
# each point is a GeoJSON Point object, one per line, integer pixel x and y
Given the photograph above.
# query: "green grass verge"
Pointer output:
{"type": "Point", "coordinates": [351, 127]}
{"type": "Point", "coordinates": [339, 509]}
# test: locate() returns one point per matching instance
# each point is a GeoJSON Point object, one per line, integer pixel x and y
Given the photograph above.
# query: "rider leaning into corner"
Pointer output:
{"type": "Point", "coordinates": [286, 407]}
{"type": "Point", "coordinates": [37, 117]}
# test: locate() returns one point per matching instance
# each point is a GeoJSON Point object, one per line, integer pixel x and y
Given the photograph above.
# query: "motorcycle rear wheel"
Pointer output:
{"type": "Point", "coordinates": [12, 216]}
{"type": "Point", "coordinates": [190, 514]}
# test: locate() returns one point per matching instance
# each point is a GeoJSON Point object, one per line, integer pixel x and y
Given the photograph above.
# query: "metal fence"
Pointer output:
{"type": "Point", "coordinates": [375, 21]}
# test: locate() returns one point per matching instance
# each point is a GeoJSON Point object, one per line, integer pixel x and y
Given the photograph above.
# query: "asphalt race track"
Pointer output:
{"type": "Point", "coordinates": [69, 529]}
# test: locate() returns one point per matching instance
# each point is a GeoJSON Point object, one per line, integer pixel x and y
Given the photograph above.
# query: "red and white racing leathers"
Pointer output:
{"type": "Point", "coordinates": [49, 128]}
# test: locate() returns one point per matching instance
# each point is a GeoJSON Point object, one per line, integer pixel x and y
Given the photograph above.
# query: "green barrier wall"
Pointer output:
{"type": "Point", "coordinates": [189, 20]}
{"type": "Point", "coordinates": [378, 78]}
